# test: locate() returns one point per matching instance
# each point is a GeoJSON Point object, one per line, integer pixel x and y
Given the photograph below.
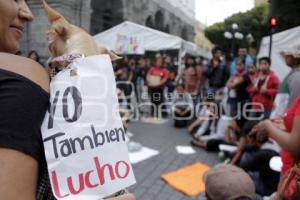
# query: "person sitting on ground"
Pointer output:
{"type": "Point", "coordinates": [259, 150]}
{"type": "Point", "coordinates": [201, 114]}
{"type": "Point", "coordinates": [182, 107]}
{"type": "Point", "coordinates": [216, 136]}
{"type": "Point", "coordinates": [228, 182]}
{"type": "Point", "coordinates": [241, 133]}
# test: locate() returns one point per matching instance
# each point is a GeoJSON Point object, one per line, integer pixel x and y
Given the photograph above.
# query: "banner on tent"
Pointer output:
{"type": "Point", "coordinates": [128, 44]}
{"type": "Point", "coordinates": [83, 135]}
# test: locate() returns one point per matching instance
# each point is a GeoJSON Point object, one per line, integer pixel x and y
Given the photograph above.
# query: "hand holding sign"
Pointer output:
{"type": "Point", "coordinates": [83, 134]}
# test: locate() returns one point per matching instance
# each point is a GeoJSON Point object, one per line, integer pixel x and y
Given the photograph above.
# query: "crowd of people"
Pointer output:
{"type": "Point", "coordinates": [221, 103]}
{"type": "Point", "coordinates": [226, 103]}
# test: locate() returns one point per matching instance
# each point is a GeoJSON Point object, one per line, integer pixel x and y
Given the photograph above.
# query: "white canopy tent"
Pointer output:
{"type": "Point", "coordinates": [288, 40]}
{"type": "Point", "coordinates": [132, 38]}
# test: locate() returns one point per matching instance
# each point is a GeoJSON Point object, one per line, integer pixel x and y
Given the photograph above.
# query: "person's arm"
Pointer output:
{"type": "Point", "coordinates": [165, 77]}
{"type": "Point", "coordinates": [131, 74]}
{"type": "Point", "coordinates": [290, 142]}
{"type": "Point", "coordinates": [189, 103]}
{"type": "Point", "coordinates": [239, 151]}
{"type": "Point", "coordinates": [272, 91]}
{"type": "Point", "coordinates": [229, 83]}
{"type": "Point", "coordinates": [18, 167]}
{"type": "Point", "coordinates": [239, 82]}
{"type": "Point", "coordinates": [197, 122]}
{"type": "Point", "coordinates": [148, 76]}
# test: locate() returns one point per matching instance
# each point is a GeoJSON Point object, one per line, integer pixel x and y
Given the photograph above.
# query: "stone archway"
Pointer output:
{"type": "Point", "coordinates": [106, 14]}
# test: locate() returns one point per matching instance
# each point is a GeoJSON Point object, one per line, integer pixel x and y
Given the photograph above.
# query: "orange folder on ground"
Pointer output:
{"type": "Point", "coordinates": [187, 180]}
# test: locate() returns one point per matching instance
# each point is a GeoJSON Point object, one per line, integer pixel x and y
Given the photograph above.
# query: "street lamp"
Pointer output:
{"type": "Point", "coordinates": [250, 38]}
{"type": "Point", "coordinates": [232, 35]}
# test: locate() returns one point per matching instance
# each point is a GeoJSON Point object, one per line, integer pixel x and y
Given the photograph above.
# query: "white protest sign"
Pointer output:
{"type": "Point", "coordinates": [83, 135]}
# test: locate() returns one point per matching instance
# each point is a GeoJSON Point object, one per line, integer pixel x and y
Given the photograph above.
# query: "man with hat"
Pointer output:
{"type": "Point", "coordinates": [289, 88]}
{"type": "Point", "coordinates": [227, 182]}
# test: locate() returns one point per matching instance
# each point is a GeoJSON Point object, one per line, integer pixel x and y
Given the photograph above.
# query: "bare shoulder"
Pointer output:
{"type": "Point", "coordinates": [25, 67]}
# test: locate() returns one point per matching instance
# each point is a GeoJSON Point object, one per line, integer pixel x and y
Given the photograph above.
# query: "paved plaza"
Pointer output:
{"type": "Point", "coordinates": [163, 138]}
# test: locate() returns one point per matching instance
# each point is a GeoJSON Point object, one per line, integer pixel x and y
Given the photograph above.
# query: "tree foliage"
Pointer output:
{"type": "Point", "coordinates": [254, 21]}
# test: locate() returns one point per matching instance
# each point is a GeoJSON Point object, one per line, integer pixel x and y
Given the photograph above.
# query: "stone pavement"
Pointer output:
{"type": "Point", "coordinates": [163, 138]}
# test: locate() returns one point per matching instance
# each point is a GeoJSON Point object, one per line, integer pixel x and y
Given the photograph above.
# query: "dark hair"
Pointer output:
{"type": "Point", "coordinates": [180, 85]}
{"type": "Point", "coordinates": [34, 52]}
{"type": "Point", "coordinates": [215, 50]}
{"type": "Point", "coordinates": [186, 62]}
{"type": "Point", "coordinates": [267, 59]}
{"type": "Point", "coordinates": [243, 198]}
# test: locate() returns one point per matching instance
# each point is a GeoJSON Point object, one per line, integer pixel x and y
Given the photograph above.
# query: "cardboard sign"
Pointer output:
{"type": "Point", "coordinates": [83, 135]}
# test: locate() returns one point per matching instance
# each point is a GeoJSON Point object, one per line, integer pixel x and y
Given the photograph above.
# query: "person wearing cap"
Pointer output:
{"type": "Point", "coordinates": [227, 182]}
{"type": "Point", "coordinates": [289, 87]}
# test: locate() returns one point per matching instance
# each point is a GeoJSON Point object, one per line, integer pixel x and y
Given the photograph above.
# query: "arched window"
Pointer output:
{"type": "Point", "coordinates": [149, 22]}
{"type": "Point", "coordinates": [159, 21]}
{"type": "Point", "coordinates": [184, 33]}
{"type": "Point", "coordinates": [106, 14]}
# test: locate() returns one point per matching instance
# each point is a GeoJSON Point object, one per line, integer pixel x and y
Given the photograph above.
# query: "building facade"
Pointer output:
{"type": "Point", "coordinates": [176, 17]}
{"type": "Point", "coordinates": [200, 38]}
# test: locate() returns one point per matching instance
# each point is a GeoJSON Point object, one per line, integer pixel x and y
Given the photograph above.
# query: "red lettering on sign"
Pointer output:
{"type": "Point", "coordinates": [56, 186]}
{"type": "Point", "coordinates": [119, 170]}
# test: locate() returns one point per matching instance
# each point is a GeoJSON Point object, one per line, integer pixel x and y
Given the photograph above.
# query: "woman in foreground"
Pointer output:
{"type": "Point", "coordinates": [24, 97]}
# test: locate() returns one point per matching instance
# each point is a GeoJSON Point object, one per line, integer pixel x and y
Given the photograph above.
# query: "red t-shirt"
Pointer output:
{"type": "Point", "coordinates": [162, 72]}
{"type": "Point", "coordinates": [266, 99]}
{"type": "Point", "coordinates": [287, 158]}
